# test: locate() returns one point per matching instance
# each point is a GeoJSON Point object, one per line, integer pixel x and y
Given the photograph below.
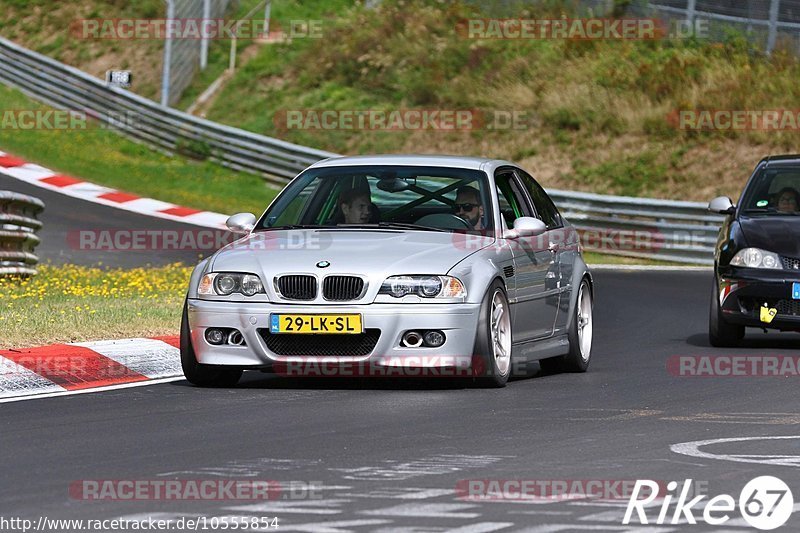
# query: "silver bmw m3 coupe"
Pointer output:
{"type": "Point", "coordinates": [394, 266]}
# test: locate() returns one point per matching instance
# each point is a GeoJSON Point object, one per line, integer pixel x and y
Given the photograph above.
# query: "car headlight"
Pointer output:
{"type": "Point", "coordinates": [227, 283]}
{"type": "Point", "coordinates": [756, 258]}
{"type": "Point", "coordinates": [424, 286]}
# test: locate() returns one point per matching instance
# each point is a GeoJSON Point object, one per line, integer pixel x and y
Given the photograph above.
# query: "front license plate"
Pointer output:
{"type": "Point", "coordinates": [796, 291]}
{"type": "Point", "coordinates": [341, 324]}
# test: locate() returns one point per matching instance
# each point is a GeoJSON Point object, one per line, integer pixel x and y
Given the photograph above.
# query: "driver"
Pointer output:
{"type": "Point", "coordinates": [788, 200]}
{"type": "Point", "coordinates": [468, 206]}
{"type": "Point", "coordinates": [356, 205]}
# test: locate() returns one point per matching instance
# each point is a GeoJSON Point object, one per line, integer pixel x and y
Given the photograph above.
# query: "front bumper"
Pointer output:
{"type": "Point", "coordinates": [459, 322]}
{"type": "Point", "coordinates": [743, 291]}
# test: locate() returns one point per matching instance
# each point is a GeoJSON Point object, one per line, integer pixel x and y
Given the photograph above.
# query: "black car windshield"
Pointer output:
{"type": "Point", "coordinates": [773, 192]}
{"type": "Point", "coordinates": [386, 196]}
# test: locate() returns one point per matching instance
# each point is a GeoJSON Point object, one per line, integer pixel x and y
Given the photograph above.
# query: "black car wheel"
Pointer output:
{"type": "Point", "coordinates": [202, 375]}
{"type": "Point", "coordinates": [720, 333]}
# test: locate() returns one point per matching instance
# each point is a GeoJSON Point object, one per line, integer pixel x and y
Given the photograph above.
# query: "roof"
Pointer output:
{"type": "Point", "coordinates": [474, 163]}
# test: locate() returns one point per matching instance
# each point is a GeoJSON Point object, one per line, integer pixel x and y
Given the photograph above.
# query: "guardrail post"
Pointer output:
{"type": "Point", "coordinates": [204, 40]}
{"type": "Point", "coordinates": [165, 74]}
{"type": "Point", "coordinates": [773, 25]}
{"type": "Point", "coordinates": [690, 11]}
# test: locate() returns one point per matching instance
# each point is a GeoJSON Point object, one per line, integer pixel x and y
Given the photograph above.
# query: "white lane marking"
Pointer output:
{"type": "Point", "coordinates": [426, 510]}
{"type": "Point", "coordinates": [90, 391]}
{"type": "Point", "coordinates": [403, 493]}
{"type": "Point", "coordinates": [556, 528]}
{"type": "Point", "coordinates": [343, 526]}
{"type": "Point", "coordinates": [149, 357]}
{"type": "Point", "coordinates": [431, 466]}
{"type": "Point", "coordinates": [479, 527]}
{"type": "Point", "coordinates": [692, 449]}
{"type": "Point", "coordinates": [305, 507]}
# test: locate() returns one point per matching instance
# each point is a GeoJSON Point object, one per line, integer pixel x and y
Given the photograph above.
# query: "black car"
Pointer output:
{"type": "Point", "coordinates": [757, 257]}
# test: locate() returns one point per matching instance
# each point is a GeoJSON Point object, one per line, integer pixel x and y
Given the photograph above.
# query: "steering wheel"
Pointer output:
{"type": "Point", "coordinates": [444, 221]}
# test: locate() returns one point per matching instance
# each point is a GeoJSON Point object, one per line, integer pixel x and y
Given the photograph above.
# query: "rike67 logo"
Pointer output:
{"type": "Point", "coordinates": [765, 503]}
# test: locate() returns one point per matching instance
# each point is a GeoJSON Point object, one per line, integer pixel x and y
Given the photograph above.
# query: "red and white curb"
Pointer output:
{"type": "Point", "coordinates": [63, 369]}
{"type": "Point", "coordinates": [43, 177]}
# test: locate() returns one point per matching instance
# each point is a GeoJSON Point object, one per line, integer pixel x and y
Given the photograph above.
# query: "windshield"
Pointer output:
{"type": "Point", "coordinates": [774, 192]}
{"type": "Point", "coordinates": [403, 197]}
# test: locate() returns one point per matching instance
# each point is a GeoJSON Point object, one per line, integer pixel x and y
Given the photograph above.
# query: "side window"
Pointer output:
{"type": "Point", "coordinates": [545, 208]}
{"type": "Point", "coordinates": [512, 201]}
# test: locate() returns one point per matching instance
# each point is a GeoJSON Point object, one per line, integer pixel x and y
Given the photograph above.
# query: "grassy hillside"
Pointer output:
{"type": "Point", "coordinates": [597, 111]}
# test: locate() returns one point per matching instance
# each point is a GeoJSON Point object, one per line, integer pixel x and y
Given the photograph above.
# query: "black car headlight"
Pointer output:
{"type": "Point", "coordinates": [227, 283]}
{"type": "Point", "coordinates": [424, 287]}
{"type": "Point", "coordinates": [756, 258]}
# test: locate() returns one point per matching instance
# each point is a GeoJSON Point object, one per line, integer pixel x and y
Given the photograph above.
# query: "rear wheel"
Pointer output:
{"type": "Point", "coordinates": [202, 375]}
{"type": "Point", "coordinates": [720, 333]}
{"type": "Point", "coordinates": [581, 332]}
{"type": "Point", "coordinates": [493, 344]}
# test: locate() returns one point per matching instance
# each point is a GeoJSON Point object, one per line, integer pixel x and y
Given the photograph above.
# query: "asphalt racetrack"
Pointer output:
{"type": "Point", "coordinates": [389, 455]}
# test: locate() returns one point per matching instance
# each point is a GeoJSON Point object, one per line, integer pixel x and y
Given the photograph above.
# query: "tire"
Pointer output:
{"type": "Point", "coordinates": [720, 333]}
{"type": "Point", "coordinates": [202, 375]}
{"type": "Point", "coordinates": [492, 360]}
{"type": "Point", "coordinates": [580, 335]}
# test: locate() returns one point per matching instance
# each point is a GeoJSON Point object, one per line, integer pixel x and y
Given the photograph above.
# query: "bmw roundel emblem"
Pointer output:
{"type": "Point", "coordinates": [323, 264]}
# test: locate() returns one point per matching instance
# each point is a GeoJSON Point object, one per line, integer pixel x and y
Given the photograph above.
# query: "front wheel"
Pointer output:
{"type": "Point", "coordinates": [202, 375]}
{"type": "Point", "coordinates": [720, 333]}
{"type": "Point", "coordinates": [581, 332]}
{"type": "Point", "coordinates": [492, 366]}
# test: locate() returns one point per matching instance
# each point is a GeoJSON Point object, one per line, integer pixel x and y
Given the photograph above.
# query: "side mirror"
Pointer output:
{"type": "Point", "coordinates": [722, 205]}
{"type": "Point", "coordinates": [241, 222]}
{"type": "Point", "coordinates": [526, 227]}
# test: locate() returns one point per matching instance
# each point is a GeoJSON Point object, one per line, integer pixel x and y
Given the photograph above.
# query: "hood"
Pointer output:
{"type": "Point", "coordinates": [375, 253]}
{"type": "Point", "coordinates": [773, 233]}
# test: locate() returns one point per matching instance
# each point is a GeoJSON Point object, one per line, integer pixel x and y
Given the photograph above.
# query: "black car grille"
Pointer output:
{"type": "Point", "coordinates": [321, 345]}
{"type": "Point", "coordinates": [297, 287]}
{"type": "Point", "coordinates": [790, 263]}
{"type": "Point", "coordinates": [342, 288]}
{"type": "Point", "coordinates": [789, 307]}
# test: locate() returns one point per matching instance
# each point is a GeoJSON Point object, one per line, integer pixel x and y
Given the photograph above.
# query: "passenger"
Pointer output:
{"type": "Point", "coordinates": [788, 200]}
{"type": "Point", "coordinates": [469, 207]}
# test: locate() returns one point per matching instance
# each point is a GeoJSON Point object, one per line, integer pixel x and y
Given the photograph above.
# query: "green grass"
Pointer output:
{"type": "Point", "coordinates": [595, 258]}
{"type": "Point", "coordinates": [600, 109]}
{"type": "Point", "coordinates": [101, 156]}
{"type": "Point", "coordinates": [72, 304]}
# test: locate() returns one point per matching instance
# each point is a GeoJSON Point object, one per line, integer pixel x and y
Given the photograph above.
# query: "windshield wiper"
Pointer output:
{"type": "Point", "coordinates": [297, 226]}
{"type": "Point", "coordinates": [396, 225]}
{"type": "Point", "coordinates": [772, 211]}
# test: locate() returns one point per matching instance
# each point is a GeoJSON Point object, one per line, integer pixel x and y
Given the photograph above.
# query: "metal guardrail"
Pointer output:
{"type": "Point", "coordinates": [683, 232]}
{"type": "Point", "coordinates": [65, 87]}
{"type": "Point", "coordinates": [649, 228]}
{"type": "Point", "coordinates": [18, 226]}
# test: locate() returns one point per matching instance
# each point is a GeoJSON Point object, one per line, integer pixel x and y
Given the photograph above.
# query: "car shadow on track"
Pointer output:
{"type": "Point", "coordinates": [753, 340]}
{"type": "Point", "coordinates": [259, 380]}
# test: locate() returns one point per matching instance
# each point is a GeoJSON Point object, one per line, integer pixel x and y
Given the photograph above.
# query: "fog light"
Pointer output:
{"type": "Point", "coordinates": [215, 336]}
{"type": "Point", "coordinates": [434, 339]}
